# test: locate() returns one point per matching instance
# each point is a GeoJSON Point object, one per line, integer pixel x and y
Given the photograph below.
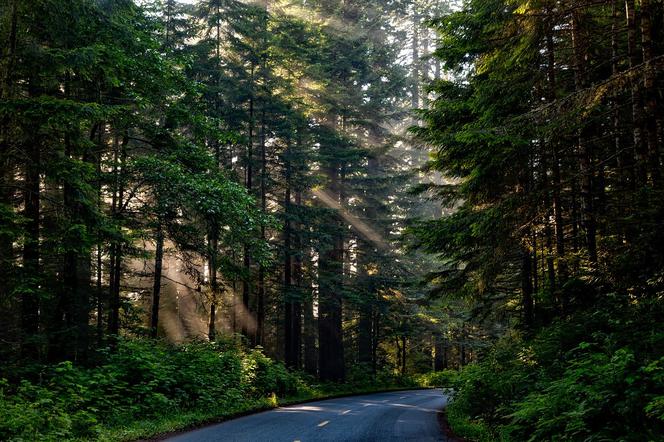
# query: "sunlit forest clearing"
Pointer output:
{"type": "Point", "coordinates": [213, 207]}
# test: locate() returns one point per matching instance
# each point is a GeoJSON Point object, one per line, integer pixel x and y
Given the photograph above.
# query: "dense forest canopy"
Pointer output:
{"type": "Point", "coordinates": [191, 170]}
{"type": "Point", "coordinates": [551, 122]}
{"type": "Point", "coordinates": [364, 190]}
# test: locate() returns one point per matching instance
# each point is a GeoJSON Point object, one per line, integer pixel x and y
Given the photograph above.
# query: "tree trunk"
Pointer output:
{"type": "Point", "coordinates": [120, 155]}
{"type": "Point", "coordinates": [330, 350]}
{"type": "Point", "coordinates": [375, 341]}
{"type": "Point", "coordinates": [156, 287]}
{"type": "Point", "coordinates": [640, 172]}
{"type": "Point", "coordinates": [260, 309]}
{"type": "Point", "coordinates": [310, 357]}
{"type": "Point", "coordinates": [404, 353]}
{"type": "Point", "coordinates": [527, 289]}
{"type": "Point", "coordinates": [246, 288]}
{"type": "Point", "coordinates": [31, 251]}
{"type": "Point", "coordinates": [365, 332]}
{"type": "Point", "coordinates": [559, 226]}
{"type": "Point", "coordinates": [575, 219]}
{"type": "Point", "coordinates": [99, 248]}
{"type": "Point", "coordinates": [650, 92]}
{"type": "Point", "coordinates": [397, 343]}
{"type": "Point", "coordinates": [585, 151]}
{"type": "Point", "coordinates": [213, 249]}
{"type": "Point", "coordinates": [331, 361]}
{"type": "Point", "coordinates": [246, 295]}
{"type": "Point", "coordinates": [440, 353]}
{"type": "Point", "coordinates": [292, 306]}
{"type": "Point", "coordinates": [76, 273]}
{"type": "Point", "coordinates": [462, 347]}
{"type": "Point", "coordinates": [8, 74]}
{"type": "Point", "coordinates": [548, 235]}
{"type": "Point", "coordinates": [415, 87]}
{"type": "Point", "coordinates": [366, 308]}
{"type": "Point", "coordinates": [7, 176]}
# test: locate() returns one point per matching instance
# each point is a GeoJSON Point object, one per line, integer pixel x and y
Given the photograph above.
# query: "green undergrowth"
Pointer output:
{"type": "Point", "coordinates": [147, 388]}
{"type": "Point", "coordinates": [596, 376]}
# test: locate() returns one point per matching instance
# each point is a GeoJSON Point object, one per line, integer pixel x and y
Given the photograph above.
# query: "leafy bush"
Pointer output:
{"type": "Point", "coordinates": [141, 379]}
{"type": "Point", "coordinates": [596, 376]}
{"type": "Point", "coordinates": [444, 378]}
{"type": "Point", "coordinates": [35, 413]}
{"type": "Point", "coordinates": [148, 381]}
{"type": "Point", "coordinates": [264, 376]}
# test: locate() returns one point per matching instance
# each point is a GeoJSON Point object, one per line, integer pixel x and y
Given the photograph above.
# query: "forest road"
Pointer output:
{"type": "Point", "coordinates": [394, 416]}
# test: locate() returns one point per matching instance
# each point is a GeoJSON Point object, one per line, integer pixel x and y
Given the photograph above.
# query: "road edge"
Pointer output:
{"type": "Point", "coordinates": [446, 429]}
{"type": "Point", "coordinates": [283, 403]}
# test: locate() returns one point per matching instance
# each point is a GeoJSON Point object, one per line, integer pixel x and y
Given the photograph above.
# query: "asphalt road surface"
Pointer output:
{"type": "Point", "coordinates": [394, 416]}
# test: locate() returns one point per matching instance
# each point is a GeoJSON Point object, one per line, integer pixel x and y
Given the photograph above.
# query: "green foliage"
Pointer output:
{"type": "Point", "coordinates": [593, 377]}
{"type": "Point", "coordinates": [142, 379]}
{"type": "Point", "coordinates": [360, 377]}
{"type": "Point", "coordinates": [32, 412]}
{"type": "Point", "coordinates": [444, 378]}
{"type": "Point", "coordinates": [262, 374]}
{"type": "Point", "coordinates": [146, 381]}
{"type": "Point", "coordinates": [470, 429]}
{"type": "Point", "coordinates": [559, 261]}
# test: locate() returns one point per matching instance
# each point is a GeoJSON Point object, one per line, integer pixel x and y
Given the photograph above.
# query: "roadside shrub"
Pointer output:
{"type": "Point", "coordinates": [387, 376]}
{"type": "Point", "coordinates": [442, 379]}
{"type": "Point", "coordinates": [263, 376]}
{"type": "Point", "coordinates": [596, 376]}
{"type": "Point", "coordinates": [31, 412]}
{"type": "Point", "coordinates": [145, 381]}
{"type": "Point", "coordinates": [360, 376]}
{"type": "Point", "coordinates": [141, 379]}
{"type": "Point", "coordinates": [598, 397]}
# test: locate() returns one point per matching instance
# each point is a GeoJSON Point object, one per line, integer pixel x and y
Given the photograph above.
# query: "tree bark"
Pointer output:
{"type": "Point", "coordinates": [331, 360]}
{"type": "Point", "coordinates": [156, 287]}
{"type": "Point", "coordinates": [120, 155]}
{"type": "Point", "coordinates": [527, 290]}
{"type": "Point", "coordinates": [310, 326]}
{"type": "Point", "coordinates": [292, 306]}
{"type": "Point", "coordinates": [330, 350]}
{"type": "Point", "coordinates": [76, 273]}
{"type": "Point", "coordinates": [99, 247]}
{"type": "Point", "coordinates": [440, 352]}
{"type": "Point", "coordinates": [640, 172]}
{"type": "Point", "coordinates": [650, 93]}
{"type": "Point", "coordinates": [7, 174]}
{"type": "Point", "coordinates": [559, 225]}
{"type": "Point", "coordinates": [246, 288]}
{"type": "Point", "coordinates": [31, 251]}
{"type": "Point", "coordinates": [404, 353]}
{"type": "Point", "coordinates": [310, 358]}
{"type": "Point", "coordinates": [415, 87]}
{"type": "Point", "coordinates": [365, 333]}
{"type": "Point", "coordinates": [588, 219]}
{"type": "Point", "coordinates": [213, 247]}
{"type": "Point", "coordinates": [462, 347]}
{"type": "Point", "coordinates": [260, 308]}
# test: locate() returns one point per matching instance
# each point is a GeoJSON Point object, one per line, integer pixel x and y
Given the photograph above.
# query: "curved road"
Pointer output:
{"type": "Point", "coordinates": [394, 416]}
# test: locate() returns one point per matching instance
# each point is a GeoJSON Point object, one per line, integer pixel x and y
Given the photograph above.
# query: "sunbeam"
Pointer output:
{"type": "Point", "coordinates": [359, 226]}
